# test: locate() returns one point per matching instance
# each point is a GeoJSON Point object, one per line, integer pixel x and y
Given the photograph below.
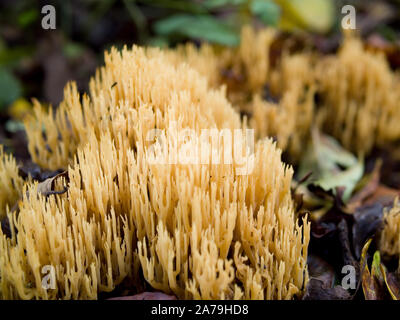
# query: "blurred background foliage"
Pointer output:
{"type": "Point", "coordinates": [38, 63]}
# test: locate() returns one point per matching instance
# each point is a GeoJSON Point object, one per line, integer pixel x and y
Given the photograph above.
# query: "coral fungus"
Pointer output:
{"type": "Point", "coordinates": [358, 88]}
{"type": "Point", "coordinates": [355, 87]}
{"type": "Point", "coordinates": [390, 237]}
{"type": "Point", "coordinates": [199, 231]}
{"type": "Point", "coordinates": [10, 182]}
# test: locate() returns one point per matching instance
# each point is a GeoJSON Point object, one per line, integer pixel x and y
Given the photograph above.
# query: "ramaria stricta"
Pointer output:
{"type": "Point", "coordinates": [198, 231]}
{"type": "Point", "coordinates": [195, 230]}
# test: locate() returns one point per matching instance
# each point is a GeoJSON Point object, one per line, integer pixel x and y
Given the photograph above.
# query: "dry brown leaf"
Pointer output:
{"type": "Point", "coordinates": [46, 187]}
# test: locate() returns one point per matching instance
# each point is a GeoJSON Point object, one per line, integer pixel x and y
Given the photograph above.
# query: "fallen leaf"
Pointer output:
{"type": "Point", "coordinates": [369, 283]}
{"type": "Point", "coordinates": [30, 169]}
{"type": "Point", "coordinates": [46, 187]}
{"type": "Point", "coordinates": [390, 170]}
{"type": "Point", "coordinates": [322, 229]}
{"type": "Point", "coordinates": [370, 287]}
{"type": "Point", "coordinates": [370, 184]}
{"type": "Point", "coordinates": [383, 195]}
{"type": "Point", "coordinates": [367, 221]}
{"type": "Point", "coordinates": [331, 165]}
{"type": "Point", "coordinates": [344, 238]}
{"type": "Point", "coordinates": [392, 284]}
{"type": "Point", "coordinates": [317, 290]}
{"type": "Point", "coordinates": [319, 269]}
{"type": "Point", "coordinates": [375, 283]}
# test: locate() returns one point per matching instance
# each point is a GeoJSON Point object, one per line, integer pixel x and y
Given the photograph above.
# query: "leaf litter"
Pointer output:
{"type": "Point", "coordinates": [345, 197]}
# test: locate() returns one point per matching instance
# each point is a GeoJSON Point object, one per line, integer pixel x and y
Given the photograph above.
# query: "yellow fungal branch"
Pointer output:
{"type": "Point", "coordinates": [390, 237]}
{"type": "Point", "coordinates": [10, 182]}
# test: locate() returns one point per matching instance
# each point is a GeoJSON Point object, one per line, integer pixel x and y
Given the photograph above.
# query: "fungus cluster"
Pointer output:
{"type": "Point", "coordinates": [199, 231]}
{"type": "Point", "coordinates": [360, 92]}
{"type": "Point", "coordinates": [351, 95]}
{"type": "Point", "coordinates": [209, 230]}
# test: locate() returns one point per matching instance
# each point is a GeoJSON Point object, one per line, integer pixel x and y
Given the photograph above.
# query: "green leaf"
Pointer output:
{"type": "Point", "coordinates": [198, 27]}
{"type": "Point", "coordinates": [26, 18]}
{"type": "Point", "coordinates": [267, 10]}
{"type": "Point", "coordinates": [332, 166]}
{"type": "Point", "coordinates": [347, 178]}
{"type": "Point", "coordinates": [214, 4]}
{"type": "Point", "coordinates": [172, 24]}
{"type": "Point", "coordinates": [160, 42]}
{"type": "Point", "coordinates": [376, 267]}
{"type": "Point", "coordinates": [194, 7]}
{"type": "Point", "coordinates": [73, 49]}
{"type": "Point", "coordinates": [377, 283]}
{"type": "Point", "coordinates": [314, 15]}
{"type": "Point", "coordinates": [11, 57]}
{"type": "Point", "coordinates": [10, 88]}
